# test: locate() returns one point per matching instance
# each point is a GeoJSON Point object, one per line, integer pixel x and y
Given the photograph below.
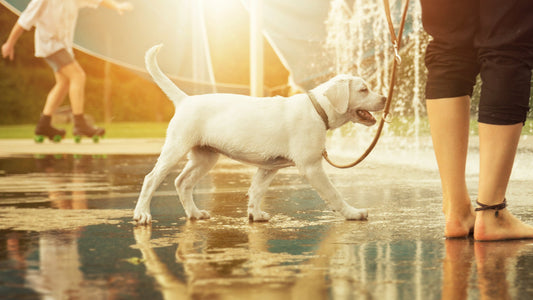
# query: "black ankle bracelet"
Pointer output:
{"type": "Point", "coordinates": [496, 207]}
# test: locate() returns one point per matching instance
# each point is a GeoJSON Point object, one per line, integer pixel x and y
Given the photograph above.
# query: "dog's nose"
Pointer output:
{"type": "Point", "coordinates": [383, 99]}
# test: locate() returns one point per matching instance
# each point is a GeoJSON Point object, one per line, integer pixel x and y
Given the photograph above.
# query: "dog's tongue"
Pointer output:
{"type": "Point", "coordinates": [365, 115]}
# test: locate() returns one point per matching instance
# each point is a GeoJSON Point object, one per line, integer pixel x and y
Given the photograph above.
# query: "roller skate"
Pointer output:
{"type": "Point", "coordinates": [82, 128]}
{"type": "Point", "coordinates": [45, 129]}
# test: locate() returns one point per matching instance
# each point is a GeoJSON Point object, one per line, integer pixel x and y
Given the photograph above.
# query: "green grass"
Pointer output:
{"type": "Point", "coordinates": [113, 130]}
{"type": "Point", "coordinates": [158, 129]}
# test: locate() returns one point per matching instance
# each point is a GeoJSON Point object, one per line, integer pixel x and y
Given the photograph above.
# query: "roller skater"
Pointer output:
{"type": "Point", "coordinates": [55, 22]}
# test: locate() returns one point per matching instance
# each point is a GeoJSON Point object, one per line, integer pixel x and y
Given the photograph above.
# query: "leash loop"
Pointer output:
{"type": "Point", "coordinates": [386, 117]}
{"type": "Point", "coordinates": [397, 55]}
{"type": "Point", "coordinates": [396, 43]}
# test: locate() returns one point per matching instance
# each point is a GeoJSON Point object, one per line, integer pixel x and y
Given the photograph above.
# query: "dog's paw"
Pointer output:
{"type": "Point", "coordinates": [199, 215]}
{"type": "Point", "coordinates": [142, 218]}
{"type": "Point", "coordinates": [260, 216]}
{"type": "Point", "coordinates": [351, 213]}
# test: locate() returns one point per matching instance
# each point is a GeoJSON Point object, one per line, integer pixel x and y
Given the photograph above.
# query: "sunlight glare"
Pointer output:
{"type": "Point", "coordinates": [223, 9]}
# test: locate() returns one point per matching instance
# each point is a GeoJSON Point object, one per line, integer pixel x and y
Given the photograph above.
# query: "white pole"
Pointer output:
{"type": "Point", "coordinates": [196, 40]}
{"type": "Point", "coordinates": [256, 48]}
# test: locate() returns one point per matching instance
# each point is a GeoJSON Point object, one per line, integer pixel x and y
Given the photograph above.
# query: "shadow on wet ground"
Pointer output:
{"type": "Point", "coordinates": [66, 232]}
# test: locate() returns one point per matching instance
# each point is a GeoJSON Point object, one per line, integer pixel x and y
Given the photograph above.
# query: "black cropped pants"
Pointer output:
{"type": "Point", "coordinates": [493, 38]}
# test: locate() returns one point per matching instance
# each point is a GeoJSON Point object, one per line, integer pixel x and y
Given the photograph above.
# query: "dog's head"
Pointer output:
{"type": "Point", "coordinates": [350, 96]}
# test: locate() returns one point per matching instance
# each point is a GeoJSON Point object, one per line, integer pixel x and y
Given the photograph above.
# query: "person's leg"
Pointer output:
{"type": "Point", "coordinates": [449, 119]}
{"type": "Point", "coordinates": [54, 98]}
{"type": "Point", "coordinates": [497, 147]}
{"type": "Point", "coordinates": [506, 63]}
{"type": "Point", "coordinates": [57, 94]}
{"type": "Point", "coordinates": [451, 60]}
{"type": "Point", "coordinates": [76, 76]}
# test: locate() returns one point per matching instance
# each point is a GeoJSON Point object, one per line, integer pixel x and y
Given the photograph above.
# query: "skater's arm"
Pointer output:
{"type": "Point", "coordinates": [120, 7]}
{"type": "Point", "coordinates": [8, 48]}
{"type": "Point", "coordinates": [28, 18]}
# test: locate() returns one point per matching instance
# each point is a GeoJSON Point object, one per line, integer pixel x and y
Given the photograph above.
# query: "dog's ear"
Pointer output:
{"type": "Point", "coordinates": [338, 95]}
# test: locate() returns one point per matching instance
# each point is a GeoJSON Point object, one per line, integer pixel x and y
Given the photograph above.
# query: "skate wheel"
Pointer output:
{"type": "Point", "coordinates": [39, 138]}
{"type": "Point", "coordinates": [77, 139]}
{"type": "Point", "coordinates": [96, 138]}
{"type": "Point", "coordinates": [57, 138]}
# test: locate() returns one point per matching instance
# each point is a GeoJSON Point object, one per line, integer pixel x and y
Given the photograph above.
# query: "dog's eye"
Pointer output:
{"type": "Point", "coordinates": [364, 89]}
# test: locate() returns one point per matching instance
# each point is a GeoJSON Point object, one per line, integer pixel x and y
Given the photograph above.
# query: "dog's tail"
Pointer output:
{"type": "Point", "coordinates": [166, 85]}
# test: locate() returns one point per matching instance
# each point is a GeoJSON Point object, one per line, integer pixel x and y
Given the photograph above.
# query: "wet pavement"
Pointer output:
{"type": "Point", "coordinates": [66, 233]}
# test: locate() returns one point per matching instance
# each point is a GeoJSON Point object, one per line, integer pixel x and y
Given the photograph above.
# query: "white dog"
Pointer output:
{"type": "Point", "coordinates": [270, 133]}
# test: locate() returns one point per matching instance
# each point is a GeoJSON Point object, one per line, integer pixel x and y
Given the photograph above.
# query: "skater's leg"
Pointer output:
{"type": "Point", "coordinates": [55, 97]}
{"type": "Point", "coordinates": [76, 90]}
{"type": "Point", "coordinates": [57, 94]}
{"type": "Point", "coordinates": [77, 77]}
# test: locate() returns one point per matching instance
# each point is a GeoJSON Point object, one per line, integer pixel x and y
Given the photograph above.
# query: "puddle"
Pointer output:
{"type": "Point", "coordinates": [66, 232]}
{"type": "Point", "coordinates": [41, 220]}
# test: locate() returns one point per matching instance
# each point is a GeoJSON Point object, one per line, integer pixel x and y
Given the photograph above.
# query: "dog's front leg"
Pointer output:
{"type": "Point", "coordinates": [142, 209]}
{"type": "Point", "coordinates": [319, 180]}
{"type": "Point", "coordinates": [260, 183]}
{"type": "Point", "coordinates": [167, 161]}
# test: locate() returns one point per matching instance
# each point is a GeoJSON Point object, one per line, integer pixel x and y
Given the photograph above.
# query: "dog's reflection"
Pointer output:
{"type": "Point", "coordinates": [171, 287]}
{"type": "Point", "coordinates": [494, 261]}
{"type": "Point", "coordinates": [236, 262]}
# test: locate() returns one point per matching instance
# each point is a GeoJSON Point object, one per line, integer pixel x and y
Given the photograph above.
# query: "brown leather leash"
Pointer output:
{"type": "Point", "coordinates": [396, 42]}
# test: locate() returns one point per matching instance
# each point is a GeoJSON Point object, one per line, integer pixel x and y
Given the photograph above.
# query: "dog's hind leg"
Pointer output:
{"type": "Point", "coordinates": [319, 180]}
{"type": "Point", "coordinates": [260, 183]}
{"type": "Point", "coordinates": [167, 161]}
{"type": "Point", "coordinates": [201, 160]}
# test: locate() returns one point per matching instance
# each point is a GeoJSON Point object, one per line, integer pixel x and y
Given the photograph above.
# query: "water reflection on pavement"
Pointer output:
{"type": "Point", "coordinates": [66, 232]}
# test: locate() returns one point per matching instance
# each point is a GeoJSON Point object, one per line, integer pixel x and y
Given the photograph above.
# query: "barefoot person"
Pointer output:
{"type": "Point", "coordinates": [55, 21]}
{"type": "Point", "coordinates": [495, 39]}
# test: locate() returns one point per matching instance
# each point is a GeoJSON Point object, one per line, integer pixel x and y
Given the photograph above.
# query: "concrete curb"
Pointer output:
{"type": "Point", "coordinates": [14, 147]}
{"type": "Point", "coordinates": [152, 146]}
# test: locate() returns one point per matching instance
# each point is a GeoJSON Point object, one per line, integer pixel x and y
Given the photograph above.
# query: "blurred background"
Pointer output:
{"type": "Point", "coordinates": [258, 47]}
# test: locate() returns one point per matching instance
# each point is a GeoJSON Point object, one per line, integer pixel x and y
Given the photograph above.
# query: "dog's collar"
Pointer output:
{"type": "Point", "coordinates": [319, 109]}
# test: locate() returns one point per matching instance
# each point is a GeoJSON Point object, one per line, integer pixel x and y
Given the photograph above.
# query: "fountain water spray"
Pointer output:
{"type": "Point", "coordinates": [358, 39]}
{"type": "Point", "coordinates": [359, 42]}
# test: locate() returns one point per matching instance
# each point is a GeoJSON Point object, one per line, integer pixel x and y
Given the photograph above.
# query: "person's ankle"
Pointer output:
{"type": "Point", "coordinates": [459, 210]}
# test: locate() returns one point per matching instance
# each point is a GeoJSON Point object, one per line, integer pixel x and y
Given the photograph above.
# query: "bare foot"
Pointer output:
{"type": "Point", "coordinates": [459, 223]}
{"type": "Point", "coordinates": [505, 226]}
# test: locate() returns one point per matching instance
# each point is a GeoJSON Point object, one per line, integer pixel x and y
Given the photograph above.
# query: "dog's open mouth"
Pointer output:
{"type": "Point", "coordinates": [365, 115]}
